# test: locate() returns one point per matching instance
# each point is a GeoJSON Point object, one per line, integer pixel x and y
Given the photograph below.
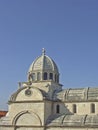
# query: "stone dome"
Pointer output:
{"type": "Point", "coordinates": [43, 68]}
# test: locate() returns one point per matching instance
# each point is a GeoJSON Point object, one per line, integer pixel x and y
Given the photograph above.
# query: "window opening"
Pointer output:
{"type": "Point", "coordinates": [57, 109]}
{"type": "Point", "coordinates": [92, 108]}
{"type": "Point", "coordinates": [74, 108]}
{"type": "Point", "coordinates": [45, 76]}
{"type": "Point", "coordinates": [55, 78]}
{"type": "Point", "coordinates": [51, 76]}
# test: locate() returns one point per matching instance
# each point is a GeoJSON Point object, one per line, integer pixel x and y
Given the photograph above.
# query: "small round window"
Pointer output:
{"type": "Point", "coordinates": [28, 92]}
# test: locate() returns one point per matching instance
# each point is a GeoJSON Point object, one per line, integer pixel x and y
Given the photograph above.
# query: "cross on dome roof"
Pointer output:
{"type": "Point", "coordinates": [44, 65]}
{"type": "Point", "coordinates": [43, 51]}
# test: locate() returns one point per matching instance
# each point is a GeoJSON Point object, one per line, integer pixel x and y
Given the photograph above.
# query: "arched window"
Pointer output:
{"type": "Point", "coordinates": [38, 76]}
{"type": "Point", "coordinates": [92, 108]}
{"type": "Point", "coordinates": [55, 78]}
{"type": "Point", "coordinates": [45, 76]}
{"type": "Point", "coordinates": [57, 108]}
{"type": "Point", "coordinates": [33, 76]}
{"type": "Point", "coordinates": [51, 76]}
{"type": "Point", "coordinates": [74, 108]}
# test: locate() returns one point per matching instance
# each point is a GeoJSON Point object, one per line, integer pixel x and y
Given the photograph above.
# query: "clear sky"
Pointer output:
{"type": "Point", "coordinates": [67, 29]}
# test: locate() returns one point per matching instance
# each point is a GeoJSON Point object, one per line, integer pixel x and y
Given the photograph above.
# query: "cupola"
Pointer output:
{"type": "Point", "coordinates": [43, 69]}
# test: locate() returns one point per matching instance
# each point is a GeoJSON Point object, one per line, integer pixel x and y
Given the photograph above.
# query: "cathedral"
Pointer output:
{"type": "Point", "coordinates": [41, 103]}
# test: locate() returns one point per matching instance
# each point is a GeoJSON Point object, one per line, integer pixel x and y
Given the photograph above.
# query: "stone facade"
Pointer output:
{"type": "Point", "coordinates": [42, 104]}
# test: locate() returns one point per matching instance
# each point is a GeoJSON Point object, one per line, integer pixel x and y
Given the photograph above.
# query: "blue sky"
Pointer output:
{"type": "Point", "coordinates": [67, 29]}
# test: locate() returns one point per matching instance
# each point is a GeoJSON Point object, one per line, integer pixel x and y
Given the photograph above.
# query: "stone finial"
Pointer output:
{"type": "Point", "coordinates": [19, 84]}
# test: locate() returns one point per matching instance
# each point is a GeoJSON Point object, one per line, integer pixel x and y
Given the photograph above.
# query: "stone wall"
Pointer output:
{"type": "Point", "coordinates": [82, 108]}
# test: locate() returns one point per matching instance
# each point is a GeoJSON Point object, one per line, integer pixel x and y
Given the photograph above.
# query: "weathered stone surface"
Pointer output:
{"type": "Point", "coordinates": [41, 104]}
